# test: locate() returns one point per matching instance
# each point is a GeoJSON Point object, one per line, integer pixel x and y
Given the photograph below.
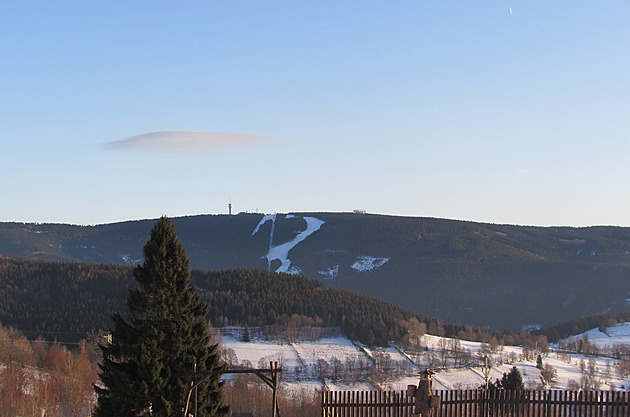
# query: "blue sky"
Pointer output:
{"type": "Point", "coordinates": [496, 111]}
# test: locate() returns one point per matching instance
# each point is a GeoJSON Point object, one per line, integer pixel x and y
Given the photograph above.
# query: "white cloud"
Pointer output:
{"type": "Point", "coordinates": [190, 141]}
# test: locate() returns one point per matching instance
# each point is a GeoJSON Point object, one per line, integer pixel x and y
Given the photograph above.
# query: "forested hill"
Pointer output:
{"type": "Point", "coordinates": [60, 300]}
{"type": "Point", "coordinates": [65, 301]}
{"type": "Point", "coordinates": [493, 276]}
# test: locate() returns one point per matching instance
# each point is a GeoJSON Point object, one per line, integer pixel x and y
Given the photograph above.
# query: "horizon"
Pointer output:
{"type": "Point", "coordinates": [306, 212]}
{"type": "Point", "coordinates": [503, 112]}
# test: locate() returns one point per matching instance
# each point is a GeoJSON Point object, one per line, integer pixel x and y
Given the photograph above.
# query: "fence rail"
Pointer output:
{"type": "Point", "coordinates": [479, 403]}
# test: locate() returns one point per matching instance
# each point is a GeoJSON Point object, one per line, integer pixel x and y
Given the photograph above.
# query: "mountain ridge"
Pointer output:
{"type": "Point", "coordinates": [488, 275]}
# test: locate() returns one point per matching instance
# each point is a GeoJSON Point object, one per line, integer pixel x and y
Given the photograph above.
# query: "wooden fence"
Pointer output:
{"type": "Point", "coordinates": [479, 403]}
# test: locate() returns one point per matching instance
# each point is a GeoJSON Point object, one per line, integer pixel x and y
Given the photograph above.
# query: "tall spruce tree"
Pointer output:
{"type": "Point", "coordinates": [147, 368]}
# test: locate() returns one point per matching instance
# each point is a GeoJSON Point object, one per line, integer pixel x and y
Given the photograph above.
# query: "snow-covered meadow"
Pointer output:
{"type": "Point", "coordinates": [336, 363]}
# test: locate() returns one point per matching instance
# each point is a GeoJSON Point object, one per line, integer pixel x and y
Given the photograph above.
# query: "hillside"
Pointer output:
{"type": "Point", "coordinates": [453, 270]}
{"type": "Point", "coordinates": [67, 300]}
{"type": "Point", "coordinates": [339, 364]}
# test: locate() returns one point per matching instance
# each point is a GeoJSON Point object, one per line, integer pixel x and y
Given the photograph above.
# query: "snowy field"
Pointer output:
{"type": "Point", "coordinates": [614, 335]}
{"type": "Point", "coordinates": [393, 369]}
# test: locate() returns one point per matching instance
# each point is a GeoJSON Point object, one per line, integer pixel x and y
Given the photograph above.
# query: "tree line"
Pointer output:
{"type": "Point", "coordinates": [65, 301]}
{"type": "Point", "coordinates": [260, 298]}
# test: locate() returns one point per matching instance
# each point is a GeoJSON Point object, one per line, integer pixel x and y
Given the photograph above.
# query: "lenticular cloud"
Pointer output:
{"type": "Point", "coordinates": [190, 141]}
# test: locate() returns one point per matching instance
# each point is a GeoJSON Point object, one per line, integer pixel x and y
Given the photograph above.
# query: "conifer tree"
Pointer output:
{"type": "Point", "coordinates": [511, 380]}
{"type": "Point", "coordinates": [147, 369]}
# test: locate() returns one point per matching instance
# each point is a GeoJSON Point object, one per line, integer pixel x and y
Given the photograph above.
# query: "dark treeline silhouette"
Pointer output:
{"type": "Point", "coordinates": [65, 301]}
{"type": "Point", "coordinates": [255, 297]}
{"type": "Point", "coordinates": [259, 298]}
{"type": "Point", "coordinates": [61, 301]}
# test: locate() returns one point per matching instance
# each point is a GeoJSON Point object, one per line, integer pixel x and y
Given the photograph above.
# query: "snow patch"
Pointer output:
{"type": "Point", "coordinates": [281, 252]}
{"type": "Point", "coordinates": [251, 354]}
{"type": "Point", "coordinates": [531, 327]}
{"type": "Point", "coordinates": [128, 260]}
{"type": "Point", "coordinates": [330, 273]}
{"type": "Point", "coordinates": [335, 251]}
{"type": "Point", "coordinates": [339, 347]}
{"type": "Point", "coordinates": [368, 263]}
{"type": "Point", "coordinates": [264, 220]}
{"type": "Point", "coordinates": [295, 270]}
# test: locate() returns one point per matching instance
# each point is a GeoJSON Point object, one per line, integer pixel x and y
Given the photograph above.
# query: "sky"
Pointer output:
{"type": "Point", "coordinates": [499, 111]}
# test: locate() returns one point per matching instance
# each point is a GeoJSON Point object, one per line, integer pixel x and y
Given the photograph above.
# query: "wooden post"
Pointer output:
{"type": "Point", "coordinates": [194, 378]}
{"type": "Point", "coordinates": [274, 382]}
{"type": "Point", "coordinates": [192, 385]}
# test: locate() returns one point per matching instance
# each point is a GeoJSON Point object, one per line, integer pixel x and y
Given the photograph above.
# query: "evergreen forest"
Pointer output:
{"type": "Point", "coordinates": [67, 301]}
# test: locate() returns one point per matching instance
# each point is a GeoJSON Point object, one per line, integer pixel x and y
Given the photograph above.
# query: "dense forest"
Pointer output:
{"type": "Point", "coordinates": [65, 301]}
{"type": "Point", "coordinates": [60, 300]}
{"type": "Point", "coordinates": [259, 298]}
{"type": "Point", "coordinates": [249, 297]}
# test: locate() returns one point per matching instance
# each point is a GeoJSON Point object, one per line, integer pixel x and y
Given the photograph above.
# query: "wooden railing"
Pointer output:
{"type": "Point", "coordinates": [479, 403]}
